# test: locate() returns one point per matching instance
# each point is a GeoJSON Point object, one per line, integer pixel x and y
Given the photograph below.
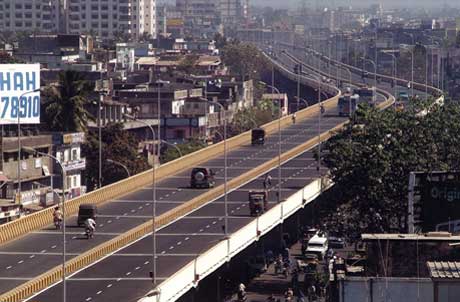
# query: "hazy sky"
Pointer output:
{"type": "Point", "coordinates": [386, 3]}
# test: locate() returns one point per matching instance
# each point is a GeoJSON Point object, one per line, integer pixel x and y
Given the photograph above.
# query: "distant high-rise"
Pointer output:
{"type": "Point", "coordinates": [104, 18]}
{"type": "Point", "coordinates": [201, 17]}
{"type": "Point", "coordinates": [30, 15]}
{"type": "Point", "coordinates": [109, 18]}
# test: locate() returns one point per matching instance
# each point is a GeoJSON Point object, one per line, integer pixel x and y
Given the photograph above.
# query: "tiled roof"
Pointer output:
{"type": "Point", "coordinates": [444, 270]}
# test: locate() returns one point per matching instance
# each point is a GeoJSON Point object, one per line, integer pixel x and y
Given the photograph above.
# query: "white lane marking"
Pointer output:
{"type": "Point", "coordinates": [89, 299]}
{"type": "Point", "coordinates": [99, 292]}
{"type": "Point", "coordinates": [146, 262]}
{"type": "Point", "coordinates": [163, 252]}
{"type": "Point", "coordinates": [187, 238]}
{"type": "Point", "coordinates": [110, 221]}
{"type": "Point", "coordinates": [128, 273]}
{"type": "Point", "coordinates": [214, 222]}
{"type": "Point", "coordinates": [109, 285]}
{"type": "Point", "coordinates": [137, 268]}
{"type": "Point", "coordinates": [125, 214]}
{"type": "Point", "coordinates": [32, 256]}
{"type": "Point", "coordinates": [54, 246]}
{"type": "Point", "coordinates": [101, 225]}
{"type": "Point", "coordinates": [167, 195]}
{"type": "Point", "coordinates": [179, 243]}
{"type": "Point", "coordinates": [19, 262]}
{"type": "Point", "coordinates": [118, 280]}
{"type": "Point", "coordinates": [8, 267]}
{"type": "Point", "coordinates": [208, 226]}
{"type": "Point", "coordinates": [173, 192]}
{"type": "Point", "coordinates": [171, 247]}
{"type": "Point", "coordinates": [238, 208]}
{"type": "Point", "coordinates": [220, 218]}
{"type": "Point", "coordinates": [201, 230]}
{"type": "Point", "coordinates": [141, 207]}
{"type": "Point", "coordinates": [133, 211]}
{"type": "Point", "coordinates": [43, 251]}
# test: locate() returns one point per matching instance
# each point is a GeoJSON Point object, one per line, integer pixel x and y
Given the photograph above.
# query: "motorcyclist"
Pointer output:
{"type": "Point", "coordinates": [90, 225]}
{"type": "Point", "coordinates": [57, 217]}
{"type": "Point", "coordinates": [267, 181]}
{"type": "Point", "coordinates": [293, 118]}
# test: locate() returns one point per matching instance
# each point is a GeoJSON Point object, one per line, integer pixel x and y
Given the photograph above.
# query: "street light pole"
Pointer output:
{"type": "Point", "coordinates": [225, 168]}
{"type": "Point", "coordinates": [394, 72]}
{"type": "Point", "coordinates": [279, 139]}
{"type": "Point", "coordinates": [34, 151]}
{"type": "Point", "coordinates": [172, 145]}
{"type": "Point", "coordinates": [154, 243]}
{"type": "Point", "coordinates": [99, 126]}
{"type": "Point", "coordinates": [375, 77]}
{"type": "Point", "coordinates": [19, 143]}
{"type": "Point", "coordinates": [119, 164]}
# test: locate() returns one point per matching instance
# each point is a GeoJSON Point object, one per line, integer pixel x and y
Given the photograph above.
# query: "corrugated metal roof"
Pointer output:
{"type": "Point", "coordinates": [444, 269]}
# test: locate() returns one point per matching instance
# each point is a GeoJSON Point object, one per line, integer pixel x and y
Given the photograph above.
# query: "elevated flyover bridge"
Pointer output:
{"type": "Point", "coordinates": [190, 240]}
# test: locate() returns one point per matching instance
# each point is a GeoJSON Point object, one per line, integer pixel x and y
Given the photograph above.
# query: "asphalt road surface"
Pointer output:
{"type": "Point", "coordinates": [178, 243]}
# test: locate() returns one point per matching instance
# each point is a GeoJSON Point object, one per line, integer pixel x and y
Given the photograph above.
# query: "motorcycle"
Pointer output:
{"type": "Point", "coordinates": [58, 223]}
{"type": "Point", "coordinates": [89, 233]}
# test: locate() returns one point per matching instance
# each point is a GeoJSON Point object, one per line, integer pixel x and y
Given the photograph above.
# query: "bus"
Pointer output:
{"type": "Point", "coordinates": [347, 102]}
{"type": "Point", "coordinates": [366, 94]}
{"type": "Point", "coordinates": [403, 96]}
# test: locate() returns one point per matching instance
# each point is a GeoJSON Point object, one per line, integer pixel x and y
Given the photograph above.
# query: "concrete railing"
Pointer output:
{"type": "Point", "coordinates": [14, 229]}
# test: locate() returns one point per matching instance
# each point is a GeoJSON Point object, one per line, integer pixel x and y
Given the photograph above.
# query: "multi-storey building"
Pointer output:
{"type": "Point", "coordinates": [231, 12]}
{"type": "Point", "coordinates": [112, 18]}
{"type": "Point", "coordinates": [201, 17]}
{"type": "Point", "coordinates": [27, 15]}
{"type": "Point", "coordinates": [104, 18]}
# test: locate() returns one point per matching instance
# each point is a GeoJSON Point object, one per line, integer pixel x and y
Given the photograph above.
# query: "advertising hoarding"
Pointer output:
{"type": "Point", "coordinates": [19, 94]}
{"type": "Point", "coordinates": [435, 201]}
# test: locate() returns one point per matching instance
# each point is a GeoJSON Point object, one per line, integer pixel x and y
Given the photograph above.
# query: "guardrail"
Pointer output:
{"type": "Point", "coordinates": [15, 229]}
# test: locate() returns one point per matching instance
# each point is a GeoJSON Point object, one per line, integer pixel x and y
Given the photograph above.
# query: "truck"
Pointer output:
{"type": "Point", "coordinates": [346, 103]}
{"type": "Point", "coordinates": [258, 203]}
{"type": "Point", "coordinates": [366, 94]}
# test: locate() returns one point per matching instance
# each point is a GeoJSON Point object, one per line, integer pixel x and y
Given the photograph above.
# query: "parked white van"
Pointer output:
{"type": "Point", "coordinates": [317, 245]}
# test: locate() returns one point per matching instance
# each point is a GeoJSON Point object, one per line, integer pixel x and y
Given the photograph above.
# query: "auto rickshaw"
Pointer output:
{"type": "Point", "coordinates": [257, 202]}
{"type": "Point", "coordinates": [86, 211]}
{"type": "Point", "coordinates": [257, 136]}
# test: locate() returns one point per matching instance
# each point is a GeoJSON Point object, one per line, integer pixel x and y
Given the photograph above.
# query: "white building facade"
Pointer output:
{"type": "Point", "coordinates": [103, 18]}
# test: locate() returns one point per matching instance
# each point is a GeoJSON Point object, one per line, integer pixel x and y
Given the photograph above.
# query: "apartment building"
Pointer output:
{"type": "Point", "coordinates": [201, 17]}
{"type": "Point", "coordinates": [29, 15]}
{"type": "Point", "coordinates": [103, 18]}
{"type": "Point", "coordinates": [112, 18]}
{"type": "Point", "coordinates": [231, 11]}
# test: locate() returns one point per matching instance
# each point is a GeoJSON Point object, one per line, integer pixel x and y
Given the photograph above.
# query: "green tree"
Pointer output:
{"type": "Point", "coordinates": [64, 107]}
{"type": "Point", "coordinates": [370, 161]}
{"type": "Point", "coordinates": [118, 145]}
{"type": "Point", "coordinates": [245, 60]}
{"type": "Point", "coordinates": [171, 153]}
{"type": "Point", "coordinates": [188, 64]}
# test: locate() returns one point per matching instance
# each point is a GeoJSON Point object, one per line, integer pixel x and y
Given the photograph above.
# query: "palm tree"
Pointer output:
{"type": "Point", "coordinates": [65, 104]}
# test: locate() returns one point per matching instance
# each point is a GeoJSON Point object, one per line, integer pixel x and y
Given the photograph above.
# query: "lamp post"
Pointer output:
{"type": "Point", "coordinates": [412, 62]}
{"type": "Point", "coordinates": [34, 151]}
{"type": "Point", "coordinates": [19, 143]}
{"type": "Point", "coordinates": [375, 76]}
{"type": "Point", "coordinates": [172, 145]}
{"type": "Point", "coordinates": [279, 139]}
{"type": "Point", "coordinates": [394, 72]}
{"type": "Point", "coordinates": [225, 169]}
{"type": "Point", "coordinates": [154, 243]}
{"type": "Point", "coordinates": [119, 164]}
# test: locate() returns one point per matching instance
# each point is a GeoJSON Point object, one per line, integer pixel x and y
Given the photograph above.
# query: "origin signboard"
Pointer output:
{"type": "Point", "coordinates": [434, 201]}
{"type": "Point", "coordinates": [19, 94]}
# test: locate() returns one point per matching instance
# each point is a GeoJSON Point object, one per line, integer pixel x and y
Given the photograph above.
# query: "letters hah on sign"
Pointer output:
{"type": "Point", "coordinates": [19, 94]}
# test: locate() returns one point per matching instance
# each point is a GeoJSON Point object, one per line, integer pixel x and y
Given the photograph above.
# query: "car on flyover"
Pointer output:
{"type": "Point", "coordinates": [202, 178]}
